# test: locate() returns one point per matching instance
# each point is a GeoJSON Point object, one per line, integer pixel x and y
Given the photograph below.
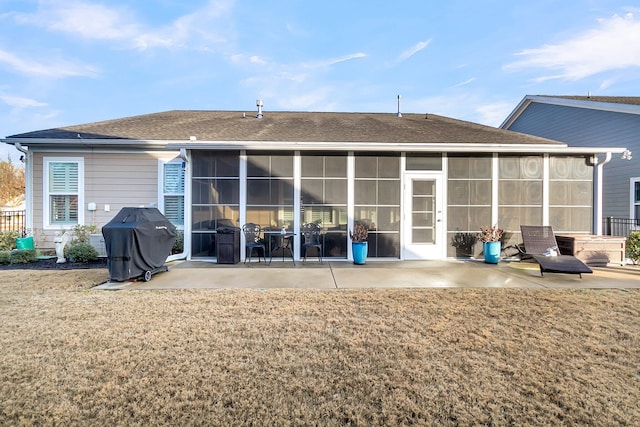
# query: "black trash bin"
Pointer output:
{"type": "Point", "coordinates": [228, 245]}
{"type": "Point", "coordinates": [138, 242]}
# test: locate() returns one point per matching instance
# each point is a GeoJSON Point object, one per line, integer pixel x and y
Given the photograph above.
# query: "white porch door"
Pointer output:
{"type": "Point", "coordinates": [423, 233]}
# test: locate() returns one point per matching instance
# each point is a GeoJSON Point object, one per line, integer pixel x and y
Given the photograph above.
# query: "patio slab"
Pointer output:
{"type": "Point", "coordinates": [376, 274]}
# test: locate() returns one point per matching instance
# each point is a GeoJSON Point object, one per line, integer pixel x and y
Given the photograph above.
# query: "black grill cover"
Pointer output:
{"type": "Point", "coordinates": [137, 240]}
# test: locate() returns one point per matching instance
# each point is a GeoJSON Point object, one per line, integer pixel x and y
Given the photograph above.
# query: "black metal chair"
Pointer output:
{"type": "Point", "coordinates": [253, 241]}
{"type": "Point", "coordinates": [311, 239]}
{"type": "Point", "coordinates": [538, 240]}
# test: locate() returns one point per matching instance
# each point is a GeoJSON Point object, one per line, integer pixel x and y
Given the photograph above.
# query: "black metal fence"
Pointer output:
{"type": "Point", "coordinates": [13, 221]}
{"type": "Point", "coordinates": [620, 226]}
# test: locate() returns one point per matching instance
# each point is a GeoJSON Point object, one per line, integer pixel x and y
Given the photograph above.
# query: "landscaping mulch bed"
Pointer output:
{"type": "Point", "coordinates": [52, 264]}
{"type": "Point", "coordinates": [72, 355]}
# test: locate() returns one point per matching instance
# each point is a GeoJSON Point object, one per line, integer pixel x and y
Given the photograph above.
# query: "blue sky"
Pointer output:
{"type": "Point", "coordinates": [65, 62]}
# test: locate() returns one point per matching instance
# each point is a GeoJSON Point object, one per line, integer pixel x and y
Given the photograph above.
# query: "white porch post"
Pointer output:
{"type": "Point", "coordinates": [597, 193]}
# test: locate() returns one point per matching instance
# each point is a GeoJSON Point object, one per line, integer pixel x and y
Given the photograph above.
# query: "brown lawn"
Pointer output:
{"type": "Point", "coordinates": [75, 356]}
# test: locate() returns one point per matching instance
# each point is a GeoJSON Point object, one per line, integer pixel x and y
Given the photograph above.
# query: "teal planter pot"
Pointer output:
{"type": "Point", "coordinates": [491, 252]}
{"type": "Point", "coordinates": [25, 243]}
{"type": "Point", "coordinates": [359, 250]}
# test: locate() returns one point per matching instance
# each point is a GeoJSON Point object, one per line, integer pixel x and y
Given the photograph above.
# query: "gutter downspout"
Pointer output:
{"type": "Point", "coordinates": [597, 220]}
{"type": "Point", "coordinates": [186, 232]}
{"type": "Point", "coordinates": [28, 187]}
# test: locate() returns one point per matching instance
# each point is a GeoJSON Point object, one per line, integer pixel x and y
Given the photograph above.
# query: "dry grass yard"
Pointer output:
{"type": "Point", "coordinates": [75, 356]}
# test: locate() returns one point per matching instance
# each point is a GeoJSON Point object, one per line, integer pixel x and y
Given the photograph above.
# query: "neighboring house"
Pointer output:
{"type": "Point", "coordinates": [591, 121]}
{"type": "Point", "coordinates": [422, 184]}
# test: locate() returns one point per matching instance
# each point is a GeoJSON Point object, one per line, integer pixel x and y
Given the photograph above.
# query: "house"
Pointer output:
{"type": "Point", "coordinates": [422, 184]}
{"type": "Point", "coordinates": [591, 121]}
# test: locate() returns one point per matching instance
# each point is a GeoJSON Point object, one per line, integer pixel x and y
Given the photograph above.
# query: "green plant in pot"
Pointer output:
{"type": "Point", "coordinates": [491, 243]}
{"type": "Point", "coordinates": [464, 243]}
{"type": "Point", "coordinates": [359, 243]}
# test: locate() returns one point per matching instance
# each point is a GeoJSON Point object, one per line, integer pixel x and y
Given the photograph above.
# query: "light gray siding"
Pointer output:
{"type": "Point", "coordinates": [114, 179]}
{"type": "Point", "coordinates": [591, 128]}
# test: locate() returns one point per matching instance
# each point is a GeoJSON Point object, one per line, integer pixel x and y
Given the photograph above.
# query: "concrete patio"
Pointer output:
{"type": "Point", "coordinates": [377, 274]}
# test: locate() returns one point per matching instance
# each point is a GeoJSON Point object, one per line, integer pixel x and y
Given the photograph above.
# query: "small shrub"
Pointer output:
{"type": "Point", "coordinates": [82, 232]}
{"type": "Point", "coordinates": [22, 256]}
{"type": "Point", "coordinates": [81, 252]}
{"type": "Point", "coordinates": [5, 257]}
{"type": "Point", "coordinates": [178, 246]}
{"type": "Point", "coordinates": [8, 240]}
{"type": "Point", "coordinates": [633, 246]}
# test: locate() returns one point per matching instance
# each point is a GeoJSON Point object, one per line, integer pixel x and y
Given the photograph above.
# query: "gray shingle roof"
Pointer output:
{"type": "Point", "coordinates": [179, 125]}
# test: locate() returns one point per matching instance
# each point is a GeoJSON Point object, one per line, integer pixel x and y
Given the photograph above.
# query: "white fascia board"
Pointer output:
{"type": "Point", "coordinates": [82, 143]}
{"type": "Point", "coordinates": [72, 144]}
{"type": "Point", "coordinates": [590, 105]}
{"type": "Point", "coordinates": [391, 147]}
{"type": "Point", "coordinates": [575, 103]}
{"type": "Point", "coordinates": [516, 112]}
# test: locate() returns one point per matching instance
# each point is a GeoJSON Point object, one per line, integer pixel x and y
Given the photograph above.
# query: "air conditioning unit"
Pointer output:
{"type": "Point", "coordinates": [97, 241]}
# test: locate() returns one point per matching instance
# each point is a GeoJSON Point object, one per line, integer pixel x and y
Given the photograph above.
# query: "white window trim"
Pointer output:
{"type": "Point", "coordinates": [161, 194]}
{"type": "Point", "coordinates": [46, 208]}
{"type": "Point", "coordinates": [632, 195]}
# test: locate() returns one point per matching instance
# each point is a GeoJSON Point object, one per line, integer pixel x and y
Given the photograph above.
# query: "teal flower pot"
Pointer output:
{"type": "Point", "coordinates": [491, 252]}
{"type": "Point", "coordinates": [359, 250]}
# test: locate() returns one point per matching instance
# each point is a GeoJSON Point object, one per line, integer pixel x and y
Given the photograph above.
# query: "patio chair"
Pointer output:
{"type": "Point", "coordinates": [311, 234]}
{"type": "Point", "coordinates": [253, 241]}
{"type": "Point", "coordinates": [539, 240]}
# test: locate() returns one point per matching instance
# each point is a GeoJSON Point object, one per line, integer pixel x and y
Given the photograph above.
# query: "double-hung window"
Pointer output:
{"type": "Point", "coordinates": [63, 192]}
{"type": "Point", "coordinates": [172, 198]}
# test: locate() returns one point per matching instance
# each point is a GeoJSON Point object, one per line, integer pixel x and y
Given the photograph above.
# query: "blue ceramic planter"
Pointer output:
{"type": "Point", "coordinates": [359, 252]}
{"type": "Point", "coordinates": [491, 252]}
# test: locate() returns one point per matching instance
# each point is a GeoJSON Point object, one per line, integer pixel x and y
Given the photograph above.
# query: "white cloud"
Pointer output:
{"type": "Point", "coordinates": [194, 30]}
{"type": "Point", "coordinates": [413, 50]}
{"type": "Point", "coordinates": [613, 45]}
{"type": "Point", "coordinates": [295, 86]}
{"type": "Point", "coordinates": [325, 63]}
{"type": "Point", "coordinates": [606, 84]}
{"type": "Point", "coordinates": [82, 19]}
{"type": "Point", "coordinates": [462, 105]}
{"type": "Point", "coordinates": [50, 68]}
{"type": "Point", "coordinates": [93, 21]}
{"type": "Point", "coordinates": [466, 82]}
{"type": "Point", "coordinates": [257, 60]}
{"type": "Point", "coordinates": [346, 58]}
{"type": "Point", "coordinates": [305, 100]}
{"type": "Point", "coordinates": [493, 114]}
{"type": "Point", "coordinates": [21, 102]}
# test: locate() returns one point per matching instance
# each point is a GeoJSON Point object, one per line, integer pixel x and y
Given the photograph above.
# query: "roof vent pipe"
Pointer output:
{"type": "Point", "coordinates": [259, 104]}
{"type": "Point", "coordinates": [399, 113]}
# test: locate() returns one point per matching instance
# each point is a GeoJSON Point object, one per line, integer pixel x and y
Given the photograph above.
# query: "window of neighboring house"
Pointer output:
{"type": "Point", "coordinates": [172, 199]}
{"type": "Point", "coordinates": [63, 192]}
{"type": "Point", "coordinates": [635, 199]}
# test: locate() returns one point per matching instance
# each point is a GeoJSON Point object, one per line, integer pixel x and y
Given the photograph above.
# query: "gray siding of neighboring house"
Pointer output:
{"type": "Point", "coordinates": [591, 128]}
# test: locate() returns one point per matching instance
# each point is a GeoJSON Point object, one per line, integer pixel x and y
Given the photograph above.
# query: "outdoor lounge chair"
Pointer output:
{"type": "Point", "coordinates": [539, 240]}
